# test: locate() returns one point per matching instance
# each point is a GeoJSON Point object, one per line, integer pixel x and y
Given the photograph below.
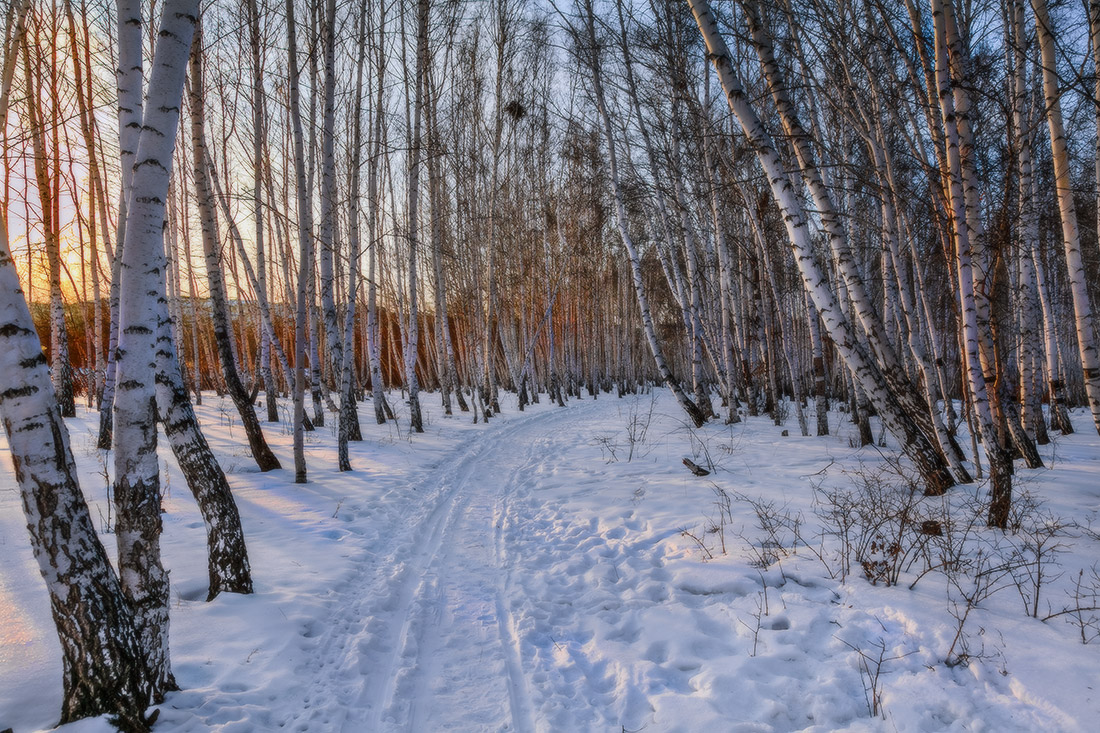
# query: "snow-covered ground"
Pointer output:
{"type": "Point", "coordinates": [560, 570]}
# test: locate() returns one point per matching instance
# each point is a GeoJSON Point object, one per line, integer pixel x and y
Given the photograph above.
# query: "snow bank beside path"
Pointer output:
{"type": "Point", "coordinates": [560, 570]}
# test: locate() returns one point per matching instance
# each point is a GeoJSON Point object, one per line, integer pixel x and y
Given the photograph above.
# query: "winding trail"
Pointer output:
{"type": "Point", "coordinates": [426, 629]}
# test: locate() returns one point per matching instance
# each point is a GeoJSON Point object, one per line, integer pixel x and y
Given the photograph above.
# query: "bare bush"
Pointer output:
{"type": "Point", "coordinates": [880, 524]}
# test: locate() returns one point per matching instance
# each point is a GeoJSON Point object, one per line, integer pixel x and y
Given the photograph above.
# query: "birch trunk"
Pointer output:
{"type": "Point", "coordinates": [1071, 240]}
{"type": "Point", "coordinates": [227, 557]}
{"type": "Point", "coordinates": [103, 667]}
{"type": "Point", "coordinates": [47, 179]}
{"type": "Point", "coordinates": [821, 401]}
{"type": "Point", "coordinates": [305, 248]}
{"type": "Point", "coordinates": [348, 420]}
{"type": "Point", "coordinates": [413, 225]}
{"type": "Point", "coordinates": [97, 205]}
{"type": "Point", "coordinates": [1027, 232]}
{"type": "Point", "coordinates": [1059, 415]}
{"type": "Point", "coordinates": [892, 370]}
{"type": "Point", "coordinates": [1094, 40]}
{"type": "Point", "coordinates": [698, 417]}
{"type": "Point", "coordinates": [1000, 465]}
{"type": "Point", "coordinates": [725, 272]}
{"type": "Point", "coordinates": [219, 300]}
{"type": "Point", "coordinates": [334, 347]}
{"type": "Point", "coordinates": [128, 79]}
{"type": "Point", "coordinates": [258, 114]}
{"type": "Point", "coordinates": [913, 441]}
{"type": "Point", "coordinates": [137, 469]}
{"type": "Point", "coordinates": [103, 658]}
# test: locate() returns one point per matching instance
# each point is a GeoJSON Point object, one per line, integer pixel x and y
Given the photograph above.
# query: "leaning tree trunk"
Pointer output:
{"type": "Point", "coordinates": [914, 442]}
{"type": "Point", "coordinates": [1000, 464]}
{"type": "Point", "coordinates": [698, 417]}
{"type": "Point", "coordinates": [258, 114]}
{"type": "Point", "coordinates": [227, 556]}
{"type": "Point", "coordinates": [137, 469]}
{"type": "Point", "coordinates": [219, 301]}
{"type": "Point", "coordinates": [103, 666]}
{"type": "Point", "coordinates": [892, 370]}
{"type": "Point", "coordinates": [267, 325]}
{"type": "Point", "coordinates": [103, 659]}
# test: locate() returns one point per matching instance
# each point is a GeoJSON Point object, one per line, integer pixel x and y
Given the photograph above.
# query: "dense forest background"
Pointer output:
{"type": "Point", "coordinates": [767, 206]}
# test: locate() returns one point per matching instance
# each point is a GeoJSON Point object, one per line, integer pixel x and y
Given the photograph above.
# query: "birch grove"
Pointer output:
{"type": "Point", "coordinates": [865, 218]}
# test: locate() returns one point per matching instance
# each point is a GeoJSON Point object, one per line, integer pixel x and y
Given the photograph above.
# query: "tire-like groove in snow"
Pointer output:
{"type": "Point", "coordinates": [373, 647]}
{"type": "Point", "coordinates": [518, 696]}
{"type": "Point", "coordinates": [406, 664]}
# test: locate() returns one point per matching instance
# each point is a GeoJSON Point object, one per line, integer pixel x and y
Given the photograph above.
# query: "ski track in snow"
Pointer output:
{"type": "Point", "coordinates": [418, 634]}
{"type": "Point", "coordinates": [517, 576]}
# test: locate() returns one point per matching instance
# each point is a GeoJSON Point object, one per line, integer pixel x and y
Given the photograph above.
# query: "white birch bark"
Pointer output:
{"type": "Point", "coordinates": [817, 353]}
{"type": "Point", "coordinates": [444, 357]}
{"type": "Point", "coordinates": [1071, 239]}
{"type": "Point", "coordinates": [698, 417]}
{"type": "Point", "coordinates": [137, 469]}
{"type": "Point", "coordinates": [348, 420]}
{"type": "Point", "coordinates": [694, 284]}
{"type": "Point", "coordinates": [204, 171]}
{"type": "Point", "coordinates": [1028, 237]}
{"type": "Point", "coordinates": [228, 568]}
{"type": "Point", "coordinates": [1094, 41]}
{"type": "Point", "coordinates": [912, 439]}
{"type": "Point", "coordinates": [326, 226]}
{"type": "Point", "coordinates": [102, 660]}
{"type": "Point", "coordinates": [305, 248]}
{"type": "Point", "coordinates": [725, 275]}
{"type": "Point", "coordinates": [413, 225]}
{"type": "Point", "coordinates": [129, 80]}
{"type": "Point", "coordinates": [259, 107]}
{"type": "Point", "coordinates": [95, 184]}
{"type": "Point", "coordinates": [47, 176]}
{"type": "Point", "coordinates": [963, 217]}
{"type": "Point", "coordinates": [892, 368]}
{"type": "Point", "coordinates": [902, 292]}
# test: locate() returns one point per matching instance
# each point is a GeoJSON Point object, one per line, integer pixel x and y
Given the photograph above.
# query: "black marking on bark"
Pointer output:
{"type": "Point", "coordinates": [13, 329]}
{"type": "Point", "coordinates": [14, 392]}
{"type": "Point", "coordinates": [33, 361]}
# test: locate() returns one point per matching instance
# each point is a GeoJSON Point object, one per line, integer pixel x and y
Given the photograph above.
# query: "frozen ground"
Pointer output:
{"type": "Point", "coordinates": [560, 570]}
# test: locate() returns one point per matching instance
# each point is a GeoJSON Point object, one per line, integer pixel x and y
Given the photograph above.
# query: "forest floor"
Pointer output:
{"type": "Point", "coordinates": [560, 570]}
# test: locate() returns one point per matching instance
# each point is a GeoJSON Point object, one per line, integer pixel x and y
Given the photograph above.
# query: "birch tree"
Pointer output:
{"type": "Point", "coordinates": [1071, 238]}
{"type": "Point", "coordinates": [412, 226]}
{"type": "Point", "coordinates": [103, 666]}
{"type": "Point", "coordinates": [219, 300]}
{"type": "Point", "coordinates": [590, 50]}
{"type": "Point", "coordinates": [925, 456]}
{"type": "Point", "coordinates": [305, 248]}
{"type": "Point", "coordinates": [137, 469]}
{"type": "Point", "coordinates": [41, 81]}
